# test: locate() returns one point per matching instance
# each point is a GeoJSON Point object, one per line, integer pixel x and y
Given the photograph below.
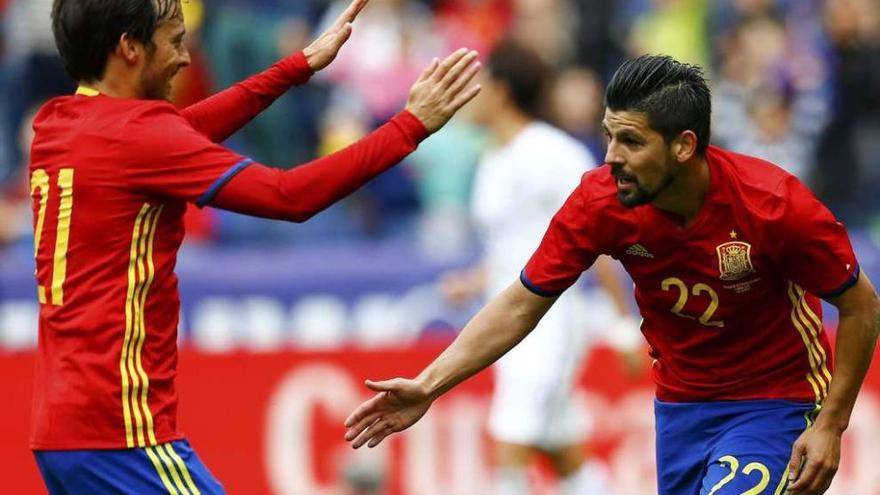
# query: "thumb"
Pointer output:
{"type": "Point", "coordinates": [384, 386]}
{"type": "Point", "coordinates": [794, 465]}
{"type": "Point", "coordinates": [343, 34]}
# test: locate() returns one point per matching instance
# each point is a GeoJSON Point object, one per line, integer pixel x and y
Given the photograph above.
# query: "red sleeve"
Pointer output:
{"type": "Point", "coordinates": [166, 157]}
{"type": "Point", "coordinates": [816, 252]}
{"type": "Point", "coordinates": [301, 192]}
{"type": "Point", "coordinates": [221, 115]}
{"type": "Point", "coordinates": [570, 246]}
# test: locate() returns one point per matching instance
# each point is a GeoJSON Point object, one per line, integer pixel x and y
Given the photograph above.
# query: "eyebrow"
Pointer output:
{"type": "Point", "coordinates": [624, 133]}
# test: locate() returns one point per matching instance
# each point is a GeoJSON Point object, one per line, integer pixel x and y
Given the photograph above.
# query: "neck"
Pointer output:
{"type": "Point", "coordinates": [508, 123]}
{"type": "Point", "coordinates": [119, 81]}
{"type": "Point", "coordinates": [685, 194]}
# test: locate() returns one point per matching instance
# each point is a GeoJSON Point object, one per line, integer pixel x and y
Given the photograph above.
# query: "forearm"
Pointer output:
{"type": "Point", "coordinates": [305, 190]}
{"type": "Point", "coordinates": [856, 339]}
{"type": "Point", "coordinates": [224, 113]}
{"type": "Point", "coordinates": [496, 329]}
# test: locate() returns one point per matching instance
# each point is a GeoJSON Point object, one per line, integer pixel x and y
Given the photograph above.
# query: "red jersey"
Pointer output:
{"type": "Point", "coordinates": [729, 303]}
{"type": "Point", "coordinates": [110, 179]}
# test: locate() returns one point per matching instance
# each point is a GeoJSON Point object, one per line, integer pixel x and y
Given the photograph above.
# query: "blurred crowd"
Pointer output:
{"type": "Point", "coordinates": [794, 81]}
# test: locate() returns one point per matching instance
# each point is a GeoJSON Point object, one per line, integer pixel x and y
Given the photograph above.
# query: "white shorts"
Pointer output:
{"type": "Point", "coordinates": [532, 403]}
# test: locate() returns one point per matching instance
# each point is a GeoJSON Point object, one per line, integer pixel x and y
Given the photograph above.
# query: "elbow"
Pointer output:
{"type": "Point", "coordinates": [296, 215]}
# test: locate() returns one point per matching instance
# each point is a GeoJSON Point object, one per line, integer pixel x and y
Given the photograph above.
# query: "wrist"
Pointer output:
{"type": "Point", "coordinates": [296, 67]}
{"type": "Point", "coordinates": [830, 421]}
{"type": "Point", "coordinates": [413, 128]}
{"type": "Point", "coordinates": [430, 388]}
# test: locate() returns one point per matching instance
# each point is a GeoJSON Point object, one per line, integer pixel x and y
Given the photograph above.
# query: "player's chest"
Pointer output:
{"type": "Point", "coordinates": [709, 274]}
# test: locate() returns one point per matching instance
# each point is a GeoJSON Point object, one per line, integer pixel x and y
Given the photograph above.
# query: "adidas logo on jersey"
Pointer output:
{"type": "Point", "coordinates": [639, 250]}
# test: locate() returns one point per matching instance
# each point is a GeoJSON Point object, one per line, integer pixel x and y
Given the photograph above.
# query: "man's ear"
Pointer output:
{"type": "Point", "coordinates": [684, 146]}
{"type": "Point", "coordinates": [129, 48]}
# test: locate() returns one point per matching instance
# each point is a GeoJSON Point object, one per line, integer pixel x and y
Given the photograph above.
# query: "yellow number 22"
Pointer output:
{"type": "Point", "coordinates": [698, 289]}
{"type": "Point", "coordinates": [40, 184]}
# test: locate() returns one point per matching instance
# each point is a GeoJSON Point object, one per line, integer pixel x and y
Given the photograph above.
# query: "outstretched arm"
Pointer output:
{"type": "Point", "coordinates": [224, 113]}
{"type": "Point", "coordinates": [496, 329]}
{"type": "Point", "coordinates": [301, 192]}
{"type": "Point", "coordinates": [816, 454]}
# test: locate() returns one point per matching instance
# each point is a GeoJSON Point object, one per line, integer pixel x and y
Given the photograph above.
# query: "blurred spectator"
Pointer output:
{"type": "Point", "coordinates": [576, 106]}
{"type": "Point", "coordinates": [763, 104]}
{"type": "Point", "coordinates": [547, 27]}
{"type": "Point", "coordinates": [391, 43]}
{"type": "Point", "coordinates": [15, 204]}
{"type": "Point", "coordinates": [477, 24]}
{"type": "Point", "coordinates": [848, 175]}
{"type": "Point", "coordinates": [673, 27]}
{"type": "Point", "coordinates": [34, 71]}
{"type": "Point", "coordinates": [243, 37]}
{"type": "Point", "coordinates": [598, 36]}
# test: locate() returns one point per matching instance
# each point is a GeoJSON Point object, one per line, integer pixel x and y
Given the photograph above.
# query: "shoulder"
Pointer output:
{"type": "Point", "coordinates": [598, 189]}
{"type": "Point", "coordinates": [756, 184]}
{"type": "Point", "coordinates": [147, 112]}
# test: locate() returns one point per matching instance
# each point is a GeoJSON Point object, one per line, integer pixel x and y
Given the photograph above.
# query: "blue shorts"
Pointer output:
{"type": "Point", "coordinates": [727, 448]}
{"type": "Point", "coordinates": [169, 468]}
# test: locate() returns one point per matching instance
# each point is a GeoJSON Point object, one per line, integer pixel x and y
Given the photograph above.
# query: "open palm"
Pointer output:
{"type": "Point", "coordinates": [398, 404]}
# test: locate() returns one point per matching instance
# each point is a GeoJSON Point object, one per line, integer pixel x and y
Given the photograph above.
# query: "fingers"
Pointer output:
{"type": "Point", "coordinates": [429, 70]}
{"type": "Point", "coordinates": [358, 427]}
{"type": "Point", "coordinates": [453, 73]}
{"type": "Point", "coordinates": [368, 407]}
{"type": "Point", "coordinates": [815, 478]}
{"type": "Point", "coordinates": [796, 462]}
{"type": "Point", "coordinates": [806, 479]}
{"type": "Point", "coordinates": [464, 79]}
{"type": "Point", "coordinates": [468, 95]}
{"type": "Point", "coordinates": [384, 386]}
{"type": "Point", "coordinates": [448, 63]}
{"type": "Point", "coordinates": [350, 13]}
{"type": "Point", "coordinates": [374, 435]}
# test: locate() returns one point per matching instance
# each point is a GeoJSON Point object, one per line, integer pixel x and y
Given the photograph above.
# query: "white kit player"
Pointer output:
{"type": "Point", "coordinates": [519, 186]}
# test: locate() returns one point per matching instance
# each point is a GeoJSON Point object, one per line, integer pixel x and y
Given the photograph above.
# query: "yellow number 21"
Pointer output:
{"type": "Point", "coordinates": [40, 184]}
{"type": "Point", "coordinates": [698, 289]}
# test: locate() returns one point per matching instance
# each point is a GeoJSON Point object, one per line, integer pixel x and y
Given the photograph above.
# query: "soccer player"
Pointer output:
{"type": "Point", "coordinates": [112, 168]}
{"type": "Point", "coordinates": [520, 183]}
{"type": "Point", "coordinates": [730, 256]}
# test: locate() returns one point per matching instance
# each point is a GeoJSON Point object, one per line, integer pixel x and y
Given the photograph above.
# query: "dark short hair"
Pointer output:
{"type": "Point", "coordinates": [674, 96]}
{"type": "Point", "coordinates": [522, 71]}
{"type": "Point", "coordinates": [87, 31]}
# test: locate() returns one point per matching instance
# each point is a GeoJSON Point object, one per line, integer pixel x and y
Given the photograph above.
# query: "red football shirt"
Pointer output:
{"type": "Point", "coordinates": [110, 179]}
{"type": "Point", "coordinates": [729, 303]}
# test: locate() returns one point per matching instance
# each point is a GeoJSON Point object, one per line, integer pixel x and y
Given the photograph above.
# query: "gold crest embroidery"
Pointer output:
{"type": "Point", "coordinates": [734, 260]}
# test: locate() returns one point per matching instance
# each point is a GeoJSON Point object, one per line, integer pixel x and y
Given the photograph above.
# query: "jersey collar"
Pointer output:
{"type": "Point", "coordinates": [87, 91]}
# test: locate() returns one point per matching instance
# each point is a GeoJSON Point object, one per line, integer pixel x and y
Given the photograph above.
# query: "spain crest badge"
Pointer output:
{"type": "Point", "coordinates": [734, 260]}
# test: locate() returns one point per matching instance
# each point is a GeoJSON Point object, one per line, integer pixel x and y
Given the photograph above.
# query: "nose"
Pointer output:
{"type": "Point", "coordinates": [185, 58]}
{"type": "Point", "coordinates": [612, 155]}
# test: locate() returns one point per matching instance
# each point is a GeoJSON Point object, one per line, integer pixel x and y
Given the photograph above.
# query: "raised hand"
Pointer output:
{"type": "Point", "coordinates": [323, 50]}
{"type": "Point", "coordinates": [443, 88]}
{"type": "Point", "coordinates": [398, 405]}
